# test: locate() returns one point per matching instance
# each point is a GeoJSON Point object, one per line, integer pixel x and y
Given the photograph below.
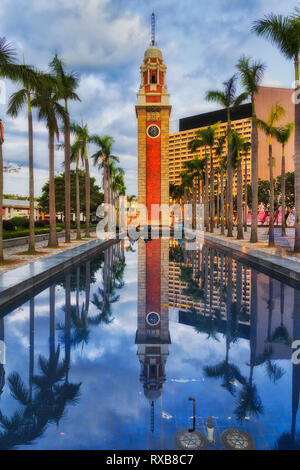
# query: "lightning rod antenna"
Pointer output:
{"type": "Point", "coordinates": [153, 29]}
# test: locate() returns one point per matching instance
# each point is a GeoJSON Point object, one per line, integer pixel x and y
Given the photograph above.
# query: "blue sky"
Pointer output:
{"type": "Point", "coordinates": [104, 40]}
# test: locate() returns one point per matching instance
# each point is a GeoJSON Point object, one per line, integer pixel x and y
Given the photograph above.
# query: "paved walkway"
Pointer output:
{"type": "Point", "coordinates": [15, 253]}
{"type": "Point", "coordinates": [280, 259]}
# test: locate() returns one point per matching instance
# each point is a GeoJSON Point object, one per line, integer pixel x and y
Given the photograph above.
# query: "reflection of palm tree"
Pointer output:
{"type": "Point", "coordinates": [103, 301]}
{"type": "Point", "coordinates": [281, 334]}
{"type": "Point", "coordinates": [291, 440]}
{"type": "Point", "coordinates": [47, 405]}
{"type": "Point", "coordinates": [2, 370]}
{"type": "Point", "coordinates": [226, 370]}
{"type": "Point", "coordinates": [31, 344]}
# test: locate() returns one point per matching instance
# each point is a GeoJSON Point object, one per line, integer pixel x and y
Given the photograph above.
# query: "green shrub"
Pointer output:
{"type": "Point", "coordinates": [20, 221]}
{"type": "Point", "coordinates": [25, 233]}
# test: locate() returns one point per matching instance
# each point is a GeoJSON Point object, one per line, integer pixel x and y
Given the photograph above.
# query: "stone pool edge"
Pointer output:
{"type": "Point", "coordinates": [279, 265]}
{"type": "Point", "coordinates": [17, 282]}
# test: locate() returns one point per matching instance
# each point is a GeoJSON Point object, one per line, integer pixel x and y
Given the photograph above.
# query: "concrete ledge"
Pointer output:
{"type": "Point", "coordinates": [17, 282]}
{"type": "Point", "coordinates": [280, 266]}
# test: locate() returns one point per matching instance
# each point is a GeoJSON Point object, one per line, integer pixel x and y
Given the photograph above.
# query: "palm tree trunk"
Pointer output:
{"type": "Point", "coordinates": [52, 321]}
{"type": "Point", "coordinates": [229, 185]}
{"type": "Point", "coordinates": [239, 191]}
{"type": "Point", "coordinates": [254, 176]}
{"type": "Point", "coordinates": [78, 230]}
{"type": "Point", "coordinates": [271, 222]}
{"type": "Point", "coordinates": [206, 208]}
{"type": "Point", "coordinates": [87, 194]}
{"type": "Point", "coordinates": [218, 203]}
{"type": "Point", "coordinates": [68, 324]}
{"type": "Point", "coordinates": [297, 160]}
{"type": "Point", "coordinates": [1, 205]}
{"type": "Point", "coordinates": [31, 346]}
{"type": "Point", "coordinates": [194, 205]}
{"type": "Point", "coordinates": [52, 213]}
{"type": "Point", "coordinates": [31, 244]}
{"type": "Point", "coordinates": [245, 193]}
{"type": "Point", "coordinates": [222, 203]}
{"type": "Point", "coordinates": [67, 177]}
{"type": "Point", "coordinates": [212, 193]}
{"type": "Point", "coordinates": [87, 286]}
{"type": "Point", "coordinates": [283, 232]}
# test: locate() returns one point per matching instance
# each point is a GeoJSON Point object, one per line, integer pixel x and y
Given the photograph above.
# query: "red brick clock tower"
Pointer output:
{"type": "Point", "coordinates": [153, 113]}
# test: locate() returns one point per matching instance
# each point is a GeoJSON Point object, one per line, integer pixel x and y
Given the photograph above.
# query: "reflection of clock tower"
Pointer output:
{"type": "Point", "coordinates": [153, 113]}
{"type": "Point", "coordinates": [152, 336]}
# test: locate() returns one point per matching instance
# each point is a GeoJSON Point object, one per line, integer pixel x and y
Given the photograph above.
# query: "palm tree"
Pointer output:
{"type": "Point", "coordinates": [238, 145]}
{"type": "Point", "coordinates": [222, 167]}
{"type": "Point", "coordinates": [193, 146]}
{"type": "Point", "coordinates": [251, 75]}
{"type": "Point", "coordinates": [275, 114]}
{"type": "Point", "coordinates": [8, 69]}
{"type": "Point", "coordinates": [49, 110]}
{"type": "Point", "coordinates": [67, 83]}
{"type": "Point", "coordinates": [195, 168]}
{"type": "Point", "coordinates": [30, 82]}
{"type": "Point", "coordinates": [228, 99]}
{"type": "Point", "coordinates": [282, 135]}
{"type": "Point", "coordinates": [102, 158]}
{"type": "Point", "coordinates": [284, 32]}
{"type": "Point", "coordinates": [75, 156]}
{"type": "Point", "coordinates": [206, 138]}
{"type": "Point", "coordinates": [82, 139]}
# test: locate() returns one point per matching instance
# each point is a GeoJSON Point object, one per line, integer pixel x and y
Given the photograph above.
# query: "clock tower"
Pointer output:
{"type": "Point", "coordinates": [153, 114]}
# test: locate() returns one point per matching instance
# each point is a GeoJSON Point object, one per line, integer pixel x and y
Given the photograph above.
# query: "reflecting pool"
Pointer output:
{"type": "Point", "coordinates": [109, 355]}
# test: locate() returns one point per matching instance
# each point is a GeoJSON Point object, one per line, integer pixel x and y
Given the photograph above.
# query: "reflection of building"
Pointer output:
{"type": "Point", "coordinates": [215, 283]}
{"type": "Point", "coordinates": [152, 336]}
{"type": "Point", "coordinates": [241, 121]}
{"type": "Point", "coordinates": [209, 270]}
{"type": "Point", "coordinates": [153, 111]}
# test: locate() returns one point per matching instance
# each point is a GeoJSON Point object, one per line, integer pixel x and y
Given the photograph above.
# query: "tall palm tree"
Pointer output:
{"type": "Point", "coordinates": [30, 83]}
{"type": "Point", "coordinates": [8, 69]}
{"type": "Point", "coordinates": [46, 100]}
{"type": "Point", "coordinates": [222, 165]}
{"type": "Point", "coordinates": [282, 135]}
{"type": "Point", "coordinates": [194, 145]}
{"type": "Point", "coordinates": [82, 139]}
{"type": "Point", "coordinates": [239, 145]}
{"type": "Point", "coordinates": [228, 99]}
{"type": "Point", "coordinates": [268, 127]}
{"type": "Point", "coordinates": [102, 159]}
{"type": "Point", "coordinates": [284, 32]}
{"type": "Point", "coordinates": [206, 138]}
{"type": "Point", "coordinates": [67, 83]}
{"type": "Point", "coordinates": [187, 182]}
{"type": "Point", "coordinates": [251, 74]}
{"type": "Point", "coordinates": [75, 157]}
{"type": "Point", "coordinates": [195, 168]}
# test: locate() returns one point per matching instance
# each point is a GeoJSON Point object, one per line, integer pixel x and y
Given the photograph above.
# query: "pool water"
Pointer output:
{"type": "Point", "coordinates": [108, 355]}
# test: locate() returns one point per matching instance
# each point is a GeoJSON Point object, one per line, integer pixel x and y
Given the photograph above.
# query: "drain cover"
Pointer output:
{"type": "Point", "coordinates": [190, 440]}
{"type": "Point", "coordinates": [236, 439]}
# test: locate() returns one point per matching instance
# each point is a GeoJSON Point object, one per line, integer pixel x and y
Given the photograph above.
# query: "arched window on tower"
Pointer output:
{"type": "Point", "coordinates": [153, 77]}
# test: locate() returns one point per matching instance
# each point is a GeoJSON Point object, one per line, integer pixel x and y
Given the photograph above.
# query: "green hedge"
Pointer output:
{"type": "Point", "coordinates": [25, 232]}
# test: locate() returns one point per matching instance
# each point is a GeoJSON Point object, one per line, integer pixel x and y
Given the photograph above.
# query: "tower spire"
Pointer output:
{"type": "Point", "coordinates": [153, 29]}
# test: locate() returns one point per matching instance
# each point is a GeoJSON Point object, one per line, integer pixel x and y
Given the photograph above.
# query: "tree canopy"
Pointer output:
{"type": "Point", "coordinates": [96, 194]}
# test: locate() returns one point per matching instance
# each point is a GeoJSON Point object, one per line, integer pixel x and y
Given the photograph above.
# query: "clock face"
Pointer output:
{"type": "Point", "coordinates": [153, 131]}
{"type": "Point", "coordinates": [153, 318]}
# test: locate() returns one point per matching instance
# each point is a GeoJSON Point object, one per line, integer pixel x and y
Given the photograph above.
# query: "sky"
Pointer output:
{"type": "Point", "coordinates": [104, 41]}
